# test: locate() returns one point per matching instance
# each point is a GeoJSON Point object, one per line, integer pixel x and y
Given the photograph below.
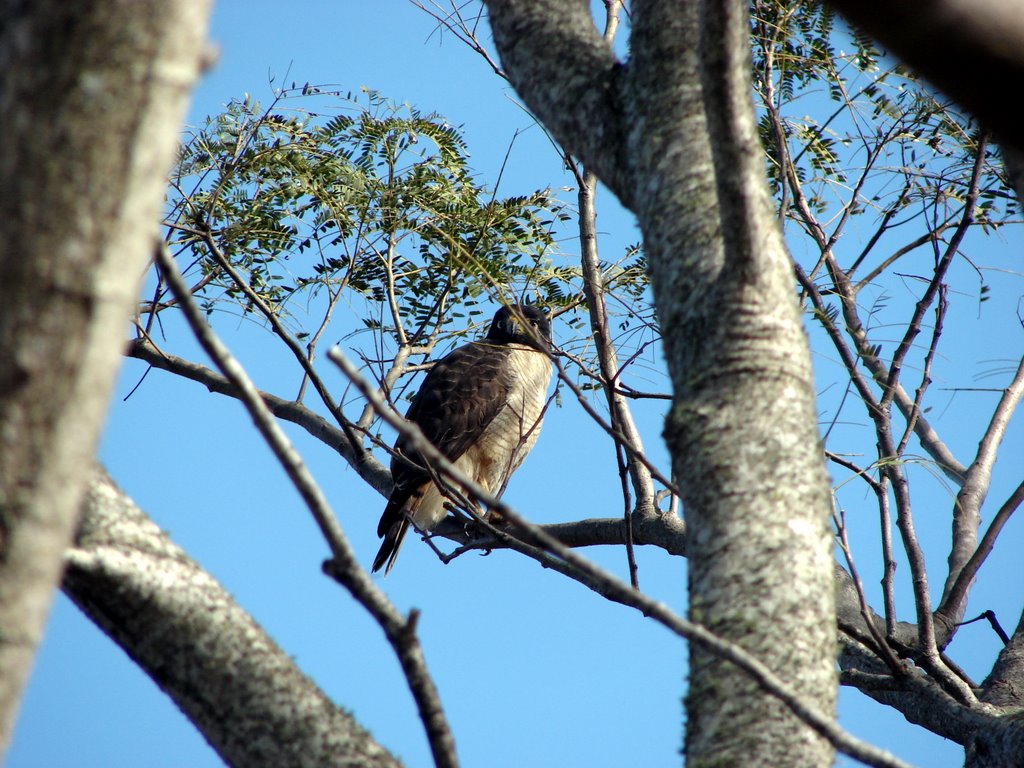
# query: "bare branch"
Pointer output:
{"type": "Point", "coordinates": [182, 627]}
{"type": "Point", "coordinates": [282, 333]}
{"type": "Point", "coordinates": [880, 645]}
{"type": "Point", "coordinates": [935, 284]}
{"type": "Point", "coordinates": [888, 559]}
{"type": "Point", "coordinates": [375, 474]}
{"type": "Point", "coordinates": [618, 406]}
{"type": "Point", "coordinates": [344, 566]}
{"type": "Point", "coordinates": [581, 70]}
{"type": "Point", "coordinates": [967, 511]}
{"type": "Point", "coordinates": [462, 28]}
{"type": "Point", "coordinates": [955, 601]}
{"type": "Point", "coordinates": [665, 531]}
{"type": "Point", "coordinates": [847, 292]}
{"type": "Point", "coordinates": [926, 371]}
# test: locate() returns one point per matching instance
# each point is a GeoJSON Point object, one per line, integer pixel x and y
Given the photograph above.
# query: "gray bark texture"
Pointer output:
{"type": "Point", "coordinates": [243, 693]}
{"type": "Point", "coordinates": [92, 97]}
{"type": "Point", "coordinates": [671, 132]}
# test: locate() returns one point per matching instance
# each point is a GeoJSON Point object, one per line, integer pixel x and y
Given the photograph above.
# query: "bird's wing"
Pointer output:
{"type": "Point", "coordinates": [460, 396]}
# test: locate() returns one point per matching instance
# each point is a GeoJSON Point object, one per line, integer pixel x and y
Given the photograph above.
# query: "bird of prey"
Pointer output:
{"type": "Point", "coordinates": [481, 406]}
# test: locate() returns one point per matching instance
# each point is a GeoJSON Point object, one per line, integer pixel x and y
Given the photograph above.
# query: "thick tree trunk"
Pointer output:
{"type": "Point", "coordinates": [672, 133]}
{"type": "Point", "coordinates": [244, 694]}
{"type": "Point", "coordinates": [92, 95]}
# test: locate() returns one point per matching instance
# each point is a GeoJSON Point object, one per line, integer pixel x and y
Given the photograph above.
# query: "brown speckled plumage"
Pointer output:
{"type": "Point", "coordinates": [481, 406]}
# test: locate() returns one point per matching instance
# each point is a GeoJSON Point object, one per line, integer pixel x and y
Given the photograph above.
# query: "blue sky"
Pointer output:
{"type": "Point", "coordinates": [522, 657]}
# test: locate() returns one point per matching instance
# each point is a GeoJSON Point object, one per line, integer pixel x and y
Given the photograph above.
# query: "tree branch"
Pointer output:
{"type": "Point", "coordinates": [847, 291]}
{"type": "Point", "coordinates": [618, 406]}
{"type": "Point", "coordinates": [955, 601]}
{"type": "Point", "coordinates": [344, 566]}
{"type": "Point", "coordinates": [245, 695]}
{"type": "Point", "coordinates": [663, 531]}
{"type": "Point", "coordinates": [375, 474]}
{"type": "Point", "coordinates": [919, 699]}
{"type": "Point", "coordinates": [967, 510]}
{"type": "Point", "coordinates": [580, 103]}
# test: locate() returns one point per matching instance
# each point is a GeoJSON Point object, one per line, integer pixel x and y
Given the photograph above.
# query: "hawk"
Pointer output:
{"type": "Point", "coordinates": [481, 406]}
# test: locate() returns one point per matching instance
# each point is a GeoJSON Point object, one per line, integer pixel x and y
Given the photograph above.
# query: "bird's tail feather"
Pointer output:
{"type": "Point", "coordinates": [392, 543]}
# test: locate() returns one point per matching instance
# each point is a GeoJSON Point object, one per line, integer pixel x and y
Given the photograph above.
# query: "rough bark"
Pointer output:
{"type": "Point", "coordinates": [1005, 684]}
{"type": "Point", "coordinates": [93, 94]}
{"type": "Point", "coordinates": [991, 736]}
{"type": "Point", "coordinates": [243, 693]}
{"type": "Point", "coordinates": [1002, 743]}
{"type": "Point", "coordinates": [679, 149]}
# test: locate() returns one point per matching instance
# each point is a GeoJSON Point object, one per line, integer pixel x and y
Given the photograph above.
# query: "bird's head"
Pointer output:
{"type": "Point", "coordinates": [521, 324]}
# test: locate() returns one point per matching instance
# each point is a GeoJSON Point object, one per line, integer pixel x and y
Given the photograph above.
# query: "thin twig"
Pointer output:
{"type": "Point", "coordinates": [618, 408]}
{"type": "Point", "coordinates": [993, 622]}
{"type": "Point", "coordinates": [332, 303]}
{"type": "Point", "coordinates": [896, 666]}
{"type": "Point", "coordinates": [615, 434]}
{"type": "Point", "coordinates": [935, 284]}
{"type": "Point", "coordinates": [282, 333]}
{"type": "Point", "coordinates": [926, 370]}
{"type": "Point", "coordinates": [344, 565]}
{"type": "Point", "coordinates": [858, 471]}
